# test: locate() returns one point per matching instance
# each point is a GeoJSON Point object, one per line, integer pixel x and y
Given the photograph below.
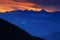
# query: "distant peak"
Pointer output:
{"type": "Point", "coordinates": [43, 11]}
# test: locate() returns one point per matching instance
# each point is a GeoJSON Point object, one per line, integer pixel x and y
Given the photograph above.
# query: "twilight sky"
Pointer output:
{"type": "Point", "coordinates": [36, 5]}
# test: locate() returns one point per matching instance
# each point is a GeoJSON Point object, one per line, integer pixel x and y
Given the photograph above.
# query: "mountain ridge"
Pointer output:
{"type": "Point", "coordinates": [29, 11]}
{"type": "Point", "coordinates": [9, 31]}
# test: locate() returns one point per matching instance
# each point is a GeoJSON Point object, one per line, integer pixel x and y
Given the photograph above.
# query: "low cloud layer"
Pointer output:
{"type": "Point", "coordinates": [36, 5]}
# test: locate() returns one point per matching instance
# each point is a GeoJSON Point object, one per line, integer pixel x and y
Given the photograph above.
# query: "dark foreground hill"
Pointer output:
{"type": "Point", "coordinates": [9, 31]}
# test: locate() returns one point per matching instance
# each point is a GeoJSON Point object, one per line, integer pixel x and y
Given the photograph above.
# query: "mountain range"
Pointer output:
{"type": "Point", "coordinates": [37, 23]}
{"type": "Point", "coordinates": [9, 31]}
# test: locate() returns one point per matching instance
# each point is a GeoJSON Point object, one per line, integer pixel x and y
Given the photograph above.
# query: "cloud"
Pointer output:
{"type": "Point", "coordinates": [52, 4]}
{"type": "Point", "coordinates": [47, 2]}
{"type": "Point", "coordinates": [36, 5]}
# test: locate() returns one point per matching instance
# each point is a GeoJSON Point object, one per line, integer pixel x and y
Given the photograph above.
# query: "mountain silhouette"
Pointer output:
{"type": "Point", "coordinates": [10, 31]}
{"type": "Point", "coordinates": [31, 12]}
{"type": "Point", "coordinates": [43, 11]}
{"type": "Point", "coordinates": [54, 36]}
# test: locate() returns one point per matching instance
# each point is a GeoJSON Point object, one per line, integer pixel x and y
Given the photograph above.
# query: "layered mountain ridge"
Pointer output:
{"type": "Point", "coordinates": [42, 11]}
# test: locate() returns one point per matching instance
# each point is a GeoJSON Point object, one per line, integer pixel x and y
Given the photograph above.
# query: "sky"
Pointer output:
{"type": "Point", "coordinates": [35, 5]}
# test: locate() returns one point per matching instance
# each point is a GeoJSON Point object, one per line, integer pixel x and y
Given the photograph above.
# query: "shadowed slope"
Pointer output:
{"type": "Point", "coordinates": [9, 31]}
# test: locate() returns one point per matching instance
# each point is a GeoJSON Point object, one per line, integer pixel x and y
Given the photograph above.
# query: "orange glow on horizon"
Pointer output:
{"type": "Point", "coordinates": [9, 5]}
